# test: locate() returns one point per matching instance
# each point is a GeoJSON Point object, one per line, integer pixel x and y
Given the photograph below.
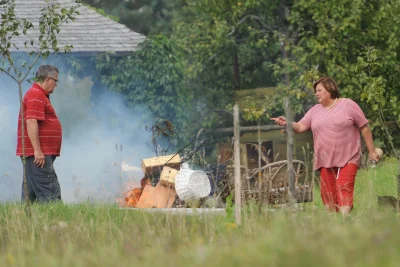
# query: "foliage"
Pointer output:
{"type": "Point", "coordinates": [151, 77]}
{"type": "Point", "coordinates": [148, 17]}
{"type": "Point", "coordinates": [103, 13]}
{"type": "Point", "coordinates": [383, 101]}
{"type": "Point", "coordinates": [229, 45]}
{"type": "Point", "coordinates": [12, 27]}
{"type": "Point", "coordinates": [230, 209]}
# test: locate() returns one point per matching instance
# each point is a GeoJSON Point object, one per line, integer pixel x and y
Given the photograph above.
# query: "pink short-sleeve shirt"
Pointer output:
{"type": "Point", "coordinates": [336, 133]}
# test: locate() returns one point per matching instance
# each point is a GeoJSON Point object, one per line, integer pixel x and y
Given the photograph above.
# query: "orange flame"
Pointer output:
{"type": "Point", "coordinates": [132, 196]}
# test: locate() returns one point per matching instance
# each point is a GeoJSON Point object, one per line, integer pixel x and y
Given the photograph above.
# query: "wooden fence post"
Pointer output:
{"type": "Point", "coordinates": [236, 151]}
{"type": "Point", "coordinates": [290, 144]}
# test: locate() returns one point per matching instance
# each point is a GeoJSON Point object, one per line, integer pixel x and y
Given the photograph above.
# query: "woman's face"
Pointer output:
{"type": "Point", "coordinates": [322, 94]}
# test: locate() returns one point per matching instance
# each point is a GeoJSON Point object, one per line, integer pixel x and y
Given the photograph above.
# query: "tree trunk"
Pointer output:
{"type": "Point", "coordinates": [27, 202]}
{"type": "Point", "coordinates": [236, 71]}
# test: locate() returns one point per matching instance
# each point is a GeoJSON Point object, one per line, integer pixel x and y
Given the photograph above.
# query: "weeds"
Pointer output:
{"type": "Point", "coordinates": [90, 234]}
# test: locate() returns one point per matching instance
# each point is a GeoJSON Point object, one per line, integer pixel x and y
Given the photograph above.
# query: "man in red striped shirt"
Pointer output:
{"type": "Point", "coordinates": [42, 137]}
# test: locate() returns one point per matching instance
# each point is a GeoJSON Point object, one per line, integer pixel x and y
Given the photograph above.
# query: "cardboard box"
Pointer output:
{"type": "Point", "coordinates": [153, 166]}
{"type": "Point", "coordinates": [147, 199]}
{"type": "Point", "coordinates": [168, 176]}
{"type": "Point", "coordinates": [160, 196]}
{"type": "Point", "coordinates": [165, 196]}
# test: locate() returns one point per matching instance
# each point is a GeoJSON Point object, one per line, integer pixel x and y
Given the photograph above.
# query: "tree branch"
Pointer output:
{"type": "Point", "coordinates": [6, 72]}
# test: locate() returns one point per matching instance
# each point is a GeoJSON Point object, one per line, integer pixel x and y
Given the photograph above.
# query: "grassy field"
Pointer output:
{"type": "Point", "coordinates": [103, 235]}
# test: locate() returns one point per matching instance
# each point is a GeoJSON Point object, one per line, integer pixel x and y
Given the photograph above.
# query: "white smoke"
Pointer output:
{"type": "Point", "coordinates": [97, 139]}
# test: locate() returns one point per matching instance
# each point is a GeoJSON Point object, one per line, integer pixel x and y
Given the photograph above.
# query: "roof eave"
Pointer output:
{"type": "Point", "coordinates": [86, 53]}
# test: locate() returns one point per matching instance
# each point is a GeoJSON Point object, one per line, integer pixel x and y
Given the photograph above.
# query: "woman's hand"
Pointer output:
{"type": "Point", "coordinates": [369, 142]}
{"type": "Point", "coordinates": [373, 155]}
{"type": "Point", "coordinates": [280, 120]}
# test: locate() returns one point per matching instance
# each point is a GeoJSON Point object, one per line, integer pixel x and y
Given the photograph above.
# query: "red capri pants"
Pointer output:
{"type": "Point", "coordinates": [337, 186]}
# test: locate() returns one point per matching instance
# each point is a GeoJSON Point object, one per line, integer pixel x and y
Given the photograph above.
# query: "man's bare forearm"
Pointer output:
{"type": "Point", "coordinates": [33, 133]}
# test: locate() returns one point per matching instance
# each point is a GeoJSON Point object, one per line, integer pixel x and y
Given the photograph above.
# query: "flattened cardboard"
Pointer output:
{"type": "Point", "coordinates": [151, 165]}
{"type": "Point", "coordinates": [165, 196]}
{"type": "Point", "coordinates": [168, 176]}
{"type": "Point", "coordinates": [147, 199]}
{"type": "Point", "coordinates": [160, 196]}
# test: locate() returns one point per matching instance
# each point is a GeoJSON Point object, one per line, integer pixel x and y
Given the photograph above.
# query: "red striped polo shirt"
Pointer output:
{"type": "Point", "coordinates": [336, 132]}
{"type": "Point", "coordinates": [37, 106]}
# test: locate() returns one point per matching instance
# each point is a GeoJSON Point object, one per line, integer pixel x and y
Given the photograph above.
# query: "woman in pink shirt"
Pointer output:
{"type": "Point", "coordinates": [336, 124]}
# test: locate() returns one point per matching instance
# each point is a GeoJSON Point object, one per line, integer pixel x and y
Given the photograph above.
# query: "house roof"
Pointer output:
{"type": "Point", "coordinates": [89, 32]}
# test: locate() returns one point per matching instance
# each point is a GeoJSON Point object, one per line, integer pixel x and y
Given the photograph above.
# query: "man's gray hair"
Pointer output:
{"type": "Point", "coordinates": [45, 71]}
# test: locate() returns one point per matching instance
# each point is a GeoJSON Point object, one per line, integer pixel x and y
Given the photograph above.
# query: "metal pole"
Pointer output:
{"type": "Point", "coordinates": [236, 151]}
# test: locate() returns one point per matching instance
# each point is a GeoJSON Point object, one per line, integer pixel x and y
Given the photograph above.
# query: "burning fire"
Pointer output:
{"type": "Point", "coordinates": [133, 195]}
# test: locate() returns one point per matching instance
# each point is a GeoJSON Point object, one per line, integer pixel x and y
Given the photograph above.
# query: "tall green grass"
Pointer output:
{"type": "Point", "coordinates": [304, 235]}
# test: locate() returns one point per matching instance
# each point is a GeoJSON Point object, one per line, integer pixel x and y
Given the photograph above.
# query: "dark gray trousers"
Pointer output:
{"type": "Point", "coordinates": [43, 185]}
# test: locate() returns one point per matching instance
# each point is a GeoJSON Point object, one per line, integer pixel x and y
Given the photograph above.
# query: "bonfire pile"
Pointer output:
{"type": "Point", "coordinates": [157, 186]}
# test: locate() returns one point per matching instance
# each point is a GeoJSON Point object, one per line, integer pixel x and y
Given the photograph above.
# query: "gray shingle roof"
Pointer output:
{"type": "Point", "coordinates": [90, 32]}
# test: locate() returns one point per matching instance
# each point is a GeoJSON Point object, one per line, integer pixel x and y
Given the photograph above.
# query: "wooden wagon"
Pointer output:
{"type": "Point", "coordinates": [263, 151]}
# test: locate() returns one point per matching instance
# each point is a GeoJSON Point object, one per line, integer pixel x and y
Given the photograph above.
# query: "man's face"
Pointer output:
{"type": "Point", "coordinates": [51, 83]}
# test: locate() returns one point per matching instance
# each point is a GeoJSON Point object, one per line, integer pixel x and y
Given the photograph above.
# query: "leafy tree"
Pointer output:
{"type": "Point", "coordinates": [229, 45]}
{"type": "Point", "coordinates": [383, 101]}
{"type": "Point", "coordinates": [386, 107]}
{"type": "Point", "coordinates": [151, 78]}
{"type": "Point", "coordinates": [13, 63]}
{"type": "Point", "coordinates": [148, 17]}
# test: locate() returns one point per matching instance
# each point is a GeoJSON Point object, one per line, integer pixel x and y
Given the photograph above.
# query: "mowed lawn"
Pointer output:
{"type": "Point", "coordinates": [104, 235]}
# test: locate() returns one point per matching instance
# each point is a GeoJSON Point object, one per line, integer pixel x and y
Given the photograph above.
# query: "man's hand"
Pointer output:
{"type": "Point", "coordinates": [32, 127]}
{"type": "Point", "coordinates": [280, 120]}
{"type": "Point", "coordinates": [39, 159]}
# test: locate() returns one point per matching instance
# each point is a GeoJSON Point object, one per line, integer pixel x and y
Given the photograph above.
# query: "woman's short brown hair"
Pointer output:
{"type": "Point", "coordinates": [330, 86]}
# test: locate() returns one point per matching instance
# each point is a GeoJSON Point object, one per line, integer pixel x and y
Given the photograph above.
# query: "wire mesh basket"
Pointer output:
{"type": "Point", "coordinates": [191, 184]}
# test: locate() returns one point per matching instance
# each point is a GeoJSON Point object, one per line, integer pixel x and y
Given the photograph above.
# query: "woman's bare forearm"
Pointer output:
{"type": "Point", "coordinates": [369, 141]}
{"type": "Point", "coordinates": [299, 127]}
